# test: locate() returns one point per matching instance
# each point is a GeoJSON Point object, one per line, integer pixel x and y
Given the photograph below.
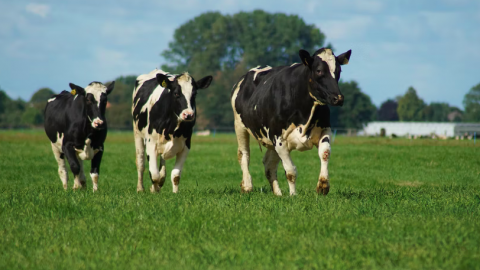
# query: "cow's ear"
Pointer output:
{"type": "Point", "coordinates": [344, 57]}
{"type": "Point", "coordinates": [307, 60]}
{"type": "Point", "coordinates": [163, 81]}
{"type": "Point", "coordinates": [77, 90]}
{"type": "Point", "coordinates": [204, 82]}
{"type": "Point", "coordinates": [110, 87]}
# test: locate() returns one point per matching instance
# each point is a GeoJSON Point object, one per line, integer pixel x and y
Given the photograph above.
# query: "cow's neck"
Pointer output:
{"type": "Point", "coordinates": [312, 102]}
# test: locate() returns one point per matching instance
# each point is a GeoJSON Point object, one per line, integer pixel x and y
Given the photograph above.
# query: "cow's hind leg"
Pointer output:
{"type": "Point", "coordinates": [62, 170]}
{"type": "Point", "coordinates": [323, 185]}
{"type": "Point", "coordinates": [140, 161]}
{"type": "Point", "coordinates": [270, 161]}
{"type": "Point", "coordinates": [177, 170]}
{"type": "Point", "coordinates": [76, 165]}
{"type": "Point", "coordinates": [243, 139]}
{"type": "Point", "coordinates": [290, 169]}
{"type": "Point", "coordinates": [80, 181]}
{"type": "Point", "coordinates": [152, 156]}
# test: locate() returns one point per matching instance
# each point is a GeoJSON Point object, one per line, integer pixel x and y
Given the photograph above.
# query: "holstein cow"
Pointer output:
{"type": "Point", "coordinates": [284, 108]}
{"type": "Point", "coordinates": [76, 126]}
{"type": "Point", "coordinates": [163, 113]}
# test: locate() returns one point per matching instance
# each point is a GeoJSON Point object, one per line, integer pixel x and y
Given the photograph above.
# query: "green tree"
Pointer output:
{"type": "Point", "coordinates": [436, 112]}
{"type": "Point", "coordinates": [42, 95]}
{"type": "Point", "coordinates": [388, 111]}
{"type": "Point", "coordinates": [11, 111]}
{"type": "Point", "coordinates": [119, 105]}
{"type": "Point", "coordinates": [471, 102]}
{"type": "Point", "coordinates": [357, 108]}
{"type": "Point", "coordinates": [410, 106]}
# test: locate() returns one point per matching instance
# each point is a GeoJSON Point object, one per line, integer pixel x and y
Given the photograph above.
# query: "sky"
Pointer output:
{"type": "Point", "coordinates": [432, 45]}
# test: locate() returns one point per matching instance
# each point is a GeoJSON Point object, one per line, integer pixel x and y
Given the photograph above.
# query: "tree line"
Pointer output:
{"type": "Point", "coordinates": [226, 47]}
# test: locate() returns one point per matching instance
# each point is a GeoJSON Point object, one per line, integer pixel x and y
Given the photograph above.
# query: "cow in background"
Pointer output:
{"type": "Point", "coordinates": [164, 113]}
{"type": "Point", "coordinates": [285, 108]}
{"type": "Point", "coordinates": [76, 126]}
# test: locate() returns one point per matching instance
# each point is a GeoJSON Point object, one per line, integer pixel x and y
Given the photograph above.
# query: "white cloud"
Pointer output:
{"type": "Point", "coordinates": [38, 9]}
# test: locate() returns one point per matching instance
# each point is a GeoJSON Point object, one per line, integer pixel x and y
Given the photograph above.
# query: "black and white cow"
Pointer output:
{"type": "Point", "coordinates": [284, 108]}
{"type": "Point", "coordinates": [163, 113]}
{"type": "Point", "coordinates": [76, 126]}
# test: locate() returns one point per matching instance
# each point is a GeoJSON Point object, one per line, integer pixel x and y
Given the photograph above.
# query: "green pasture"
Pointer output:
{"type": "Point", "coordinates": [393, 204]}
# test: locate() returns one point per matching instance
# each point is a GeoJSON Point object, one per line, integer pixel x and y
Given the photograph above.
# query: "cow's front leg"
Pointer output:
{"type": "Point", "coordinates": [323, 185]}
{"type": "Point", "coordinates": [270, 161]}
{"type": "Point", "coordinates": [153, 168]}
{"type": "Point", "coordinates": [177, 169]}
{"type": "Point", "coordinates": [95, 170]}
{"type": "Point", "coordinates": [243, 154]}
{"type": "Point", "coordinates": [62, 170]}
{"type": "Point", "coordinates": [290, 169]}
{"type": "Point", "coordinates": [76, 165]}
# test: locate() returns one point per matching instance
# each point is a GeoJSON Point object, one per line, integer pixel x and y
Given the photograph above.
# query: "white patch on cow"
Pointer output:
{"type": "Point", "coordinates": [327, 56]}
{"type": "Point", "coordinates": [185, 82]}
{"type": "Point", "coordinates": [59, 143]}
{"type": "Point", "coordinates": [52, 99]}
{"type": "Point", "coordinates": [87, 152]}
{"type": "Point", "coordinates": [294, 64]}
{"type": "Point", "coordinates": [259, 70]}
{"type": "Point", "coordinates": [75, 97]}
{"type": "Point", "coordinates": [96, 89]}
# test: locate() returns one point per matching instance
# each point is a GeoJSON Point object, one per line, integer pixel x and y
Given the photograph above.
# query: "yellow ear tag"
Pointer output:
{"type": "Point", "coordinates": [164, 84]}
{"type": "Point", "coordinates": [306, 63]}
{"type": "Point", "coordinates": [74, 92]}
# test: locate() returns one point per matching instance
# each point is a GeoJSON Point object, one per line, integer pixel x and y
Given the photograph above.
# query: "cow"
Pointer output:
{"type": "Point", "coordinates": [76, 126]}
{"type": "Point", "coordinates": [285, 108]}
{"type": "Point", "coordinates": [164, 115]}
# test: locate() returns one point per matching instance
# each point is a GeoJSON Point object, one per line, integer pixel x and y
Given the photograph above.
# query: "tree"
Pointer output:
{"type": "Point", "coordinates": [42, 95]}
{"type": "Point", "coordinates": [388, 111]}
{"type": "Point", "coordinates": [357, 108]}
{"type": "Point", "coordinates": [10, 111]}
{"type": "Point", "coordinates": [471, 102]}
{"type": "Point", "coordinates": [227, 46]}
{"type": "Point", "coordinates": [410, 106]}
{"type": "Point", "coordinates": [436, 112]}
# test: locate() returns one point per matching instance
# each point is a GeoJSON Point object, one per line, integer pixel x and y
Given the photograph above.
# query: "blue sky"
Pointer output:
{"type": "Point", "coordinates": [433, 46]}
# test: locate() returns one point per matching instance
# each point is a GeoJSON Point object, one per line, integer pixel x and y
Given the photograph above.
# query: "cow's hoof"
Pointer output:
{"type": "Point", "coordinates": [323, 186]}
{"type": "Point", "coordinates": [140, 189]}
{"type": "Point", "coordinates": [245, 189]}
{"type": "Point", "coordinates": [154, 189]}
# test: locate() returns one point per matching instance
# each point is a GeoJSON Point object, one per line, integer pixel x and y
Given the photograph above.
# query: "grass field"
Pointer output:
{"type": "Point", "coordinates": [393, 204]}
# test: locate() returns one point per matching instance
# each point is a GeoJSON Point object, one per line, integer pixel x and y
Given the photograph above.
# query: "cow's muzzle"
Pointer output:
{"type": "Point", "coordinates": [97, 123]}
{"type": "Point", "coordinates": [187, 115]}
{"type": "Point", "coordinates": [337, 100]}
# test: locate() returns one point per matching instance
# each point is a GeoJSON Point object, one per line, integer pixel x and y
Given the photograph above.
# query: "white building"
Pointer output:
{"type": "Point", "coordinates": [421, 128]}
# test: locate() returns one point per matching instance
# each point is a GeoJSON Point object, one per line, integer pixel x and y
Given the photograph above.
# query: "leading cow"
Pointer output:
{"type": "Point", "coordinates": [163, 118]}
{"type": "Point", "coordinates": [284, 108]}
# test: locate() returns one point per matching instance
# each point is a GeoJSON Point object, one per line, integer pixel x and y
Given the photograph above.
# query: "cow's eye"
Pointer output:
{"type": "Point", "coordinates": [319, 72]}
{"type": "Point", "coordinates": [177, 95]}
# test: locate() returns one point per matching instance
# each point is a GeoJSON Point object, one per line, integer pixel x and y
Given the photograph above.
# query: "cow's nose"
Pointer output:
{"type": "Point", "coordinates": [338, 100]}
{"type": "Point", "coordinates": [187, 116]}
{"type": "Point", "coordinates": [97, 123]}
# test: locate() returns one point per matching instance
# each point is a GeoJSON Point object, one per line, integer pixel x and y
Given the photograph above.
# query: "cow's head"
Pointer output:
{"type": "Point", "coordinates": [324, 73]}
{"type": "Point", "coordinates": [182, 91]}
{"type": "Point", "coordinates": [95, 97]}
